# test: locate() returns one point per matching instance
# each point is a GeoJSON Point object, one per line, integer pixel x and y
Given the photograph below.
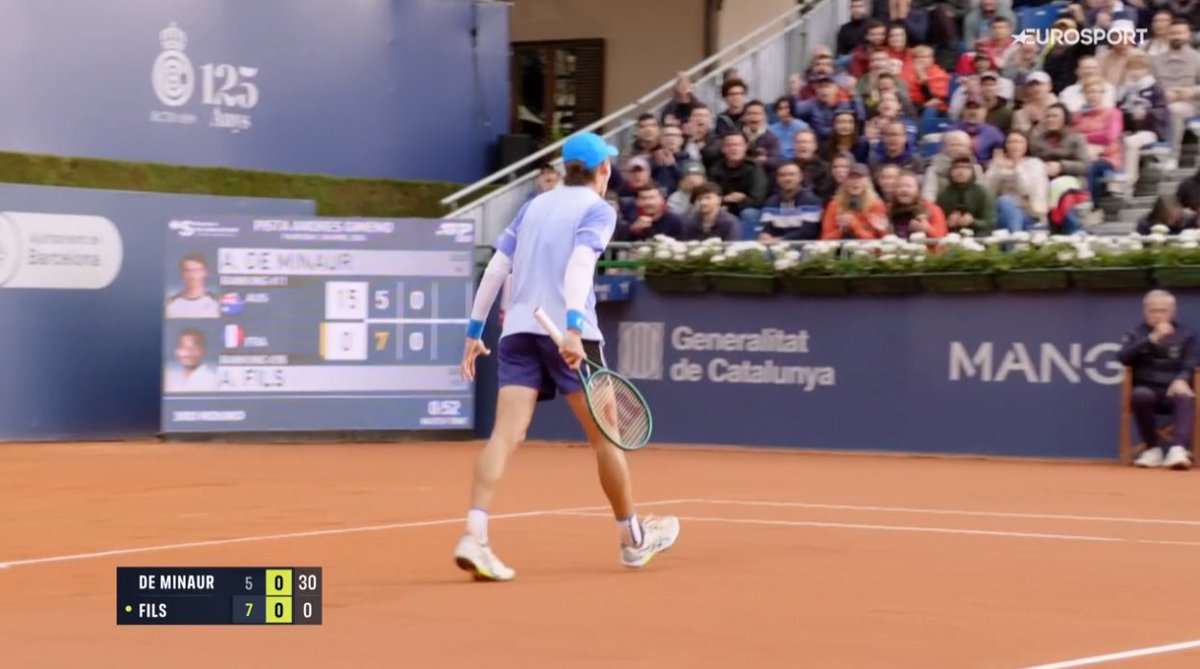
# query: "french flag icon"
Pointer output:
{"type": "Point", "coordinates": [235, 336]}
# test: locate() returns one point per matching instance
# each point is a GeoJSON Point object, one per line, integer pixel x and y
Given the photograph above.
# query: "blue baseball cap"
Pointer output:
{"type": "Point", "coordinates": [589, 149]}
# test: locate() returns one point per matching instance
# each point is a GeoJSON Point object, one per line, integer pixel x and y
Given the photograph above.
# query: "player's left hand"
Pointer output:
{"type": "Point", "coordinates": [571, 349]}
{"type": "Point", "coordinates": [473, 349]}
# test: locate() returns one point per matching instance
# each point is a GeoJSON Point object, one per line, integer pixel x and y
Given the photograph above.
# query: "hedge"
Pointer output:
{"type": "Point", "coordinates": [334, 196]}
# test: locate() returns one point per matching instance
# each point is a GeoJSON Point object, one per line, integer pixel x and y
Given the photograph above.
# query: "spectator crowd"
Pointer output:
{"type": "Point", "coordinates": [1028, 133]}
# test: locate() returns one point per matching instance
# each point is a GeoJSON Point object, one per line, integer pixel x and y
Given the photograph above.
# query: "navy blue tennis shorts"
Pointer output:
{"type": "Point", "coordinates": [533, 361]}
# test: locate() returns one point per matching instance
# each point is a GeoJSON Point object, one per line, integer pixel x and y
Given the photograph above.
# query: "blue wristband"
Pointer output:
{"type": "Point", "coordinates": [474, 329]}
{"type": "Point", "coordinates": [575, 320]}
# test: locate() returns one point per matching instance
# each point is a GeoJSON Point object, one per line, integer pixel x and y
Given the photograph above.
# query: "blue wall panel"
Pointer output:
{"type": "Point", "coordinates": [378, 88]}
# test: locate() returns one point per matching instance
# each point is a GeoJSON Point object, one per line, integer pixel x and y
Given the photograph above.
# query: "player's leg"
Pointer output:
{"type": "Point", "coordinates": [514, 411]}
{"type": "Point", "coordinates": [521, 381]}
{"type": "Point", "coordinates": [641, 539]}
{"type": "Point", "coordinates": [610, 462]}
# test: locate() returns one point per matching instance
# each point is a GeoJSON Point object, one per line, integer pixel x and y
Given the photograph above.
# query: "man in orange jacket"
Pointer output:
{"type": "Point", "coordinates": [928, 84]}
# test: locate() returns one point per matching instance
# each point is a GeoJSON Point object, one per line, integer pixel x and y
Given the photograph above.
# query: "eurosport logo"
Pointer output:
{"type": "Point", "coordinates": [1086, 36]}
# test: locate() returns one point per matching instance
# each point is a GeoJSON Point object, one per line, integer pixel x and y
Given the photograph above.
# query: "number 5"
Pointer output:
{"type": "Point", "coordinates": [250, 98]}
{"type": "Point", "coordinates": [381, 299]}
{"type": "Point", "coordinates": [249, 583]}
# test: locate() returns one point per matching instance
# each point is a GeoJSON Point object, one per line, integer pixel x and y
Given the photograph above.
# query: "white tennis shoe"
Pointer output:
{"type": "Point", "coordinates": [1151, 457]}
{"type": "Point", "coordinates": [478, 559]}
{"type": "Point", "coordinates": [659, 533]}
{"type": "Point", "coordinates": [1177, 458]}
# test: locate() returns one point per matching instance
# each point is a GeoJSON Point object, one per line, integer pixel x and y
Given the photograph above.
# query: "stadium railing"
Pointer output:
{"type": "Point", "coordinates": [763, 59]}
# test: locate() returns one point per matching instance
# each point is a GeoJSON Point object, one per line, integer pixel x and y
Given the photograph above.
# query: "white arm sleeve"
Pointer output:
{"type": "Point", "coordinates": [578, 281]}
{"type": "Point", "coordinates": [489, 286]}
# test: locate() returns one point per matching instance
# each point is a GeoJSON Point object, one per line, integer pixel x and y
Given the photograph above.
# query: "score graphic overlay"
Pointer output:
{"type": "Point", "coordinates": [219, 595]}
{"type": "Point", "coordinates": [316, 324]}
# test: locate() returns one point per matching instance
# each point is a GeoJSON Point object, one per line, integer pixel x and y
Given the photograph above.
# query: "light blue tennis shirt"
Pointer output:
{"type": "Point", "coordinates": [540, 241]}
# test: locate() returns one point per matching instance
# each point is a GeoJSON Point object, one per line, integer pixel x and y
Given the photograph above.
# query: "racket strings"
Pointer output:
{"type": "Point", "coordinates": [620, 410]}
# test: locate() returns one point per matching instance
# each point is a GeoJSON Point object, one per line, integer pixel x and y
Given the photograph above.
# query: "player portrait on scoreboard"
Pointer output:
{"type": "Point", "coordinates": [195, 300]}
{"type": "Point", "coordinates": [189, 371]}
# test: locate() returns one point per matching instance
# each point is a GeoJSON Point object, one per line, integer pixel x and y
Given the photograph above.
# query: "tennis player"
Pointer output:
{"type": "Point", "coordinates": [551, 248]}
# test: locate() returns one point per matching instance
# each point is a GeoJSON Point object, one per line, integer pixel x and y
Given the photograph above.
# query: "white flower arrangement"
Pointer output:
{"type": "Point", "coordinates": [961, 251]}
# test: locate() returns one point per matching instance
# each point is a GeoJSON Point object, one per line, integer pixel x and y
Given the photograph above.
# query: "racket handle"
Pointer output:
{"type": "Point", "coordinates": [548, 325]}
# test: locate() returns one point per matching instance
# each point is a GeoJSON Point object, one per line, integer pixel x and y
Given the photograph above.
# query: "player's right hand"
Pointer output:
{"type": "Point", "coordinates": [571, 349]}
{"type": "Point", "coordinates": [473, 349]}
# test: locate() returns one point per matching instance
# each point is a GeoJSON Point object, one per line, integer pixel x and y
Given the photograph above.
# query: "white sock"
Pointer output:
{"type": "Point", "coordinates": [631, 531]}
{"type": "Point", "coordinates": [477, 520]}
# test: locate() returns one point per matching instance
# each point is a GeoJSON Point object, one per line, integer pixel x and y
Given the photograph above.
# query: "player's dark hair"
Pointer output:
{"type": "Point", "coordinates": [756, 103]}
{"type": "Point", "coordinates": [650, 187]}
{"type": "Point", "coordinates": [193, 257]}
{"type": "Point", "coordinates": [194, 334]}
{"type": "Point", "coordinates": [647, 116]}
{"type": "Point", "coordinates": [577, 174]}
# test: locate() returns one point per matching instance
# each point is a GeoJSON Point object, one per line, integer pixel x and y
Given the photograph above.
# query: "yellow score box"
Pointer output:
{"type": "Point", "coordinates": [279, 610]}
{"type": "Point", "coordinates": [279, 582]}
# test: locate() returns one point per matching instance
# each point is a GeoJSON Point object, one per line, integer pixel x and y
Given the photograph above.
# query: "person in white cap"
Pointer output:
{"type": "Point", "coordinates": [1039, 96]}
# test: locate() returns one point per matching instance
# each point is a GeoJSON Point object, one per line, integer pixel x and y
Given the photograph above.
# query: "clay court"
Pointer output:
{"type": "Point", "coordinates": [785, 559]}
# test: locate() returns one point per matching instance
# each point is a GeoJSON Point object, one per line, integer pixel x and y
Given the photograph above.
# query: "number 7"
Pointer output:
{"type": "Point", "coordinates": [249, 608]}
{"type": "Point", "coordinates": [381, 339]}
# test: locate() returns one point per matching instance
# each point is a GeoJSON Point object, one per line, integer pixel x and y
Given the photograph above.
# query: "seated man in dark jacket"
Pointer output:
{"type": "Point", "coordinates": [1162, 356]}
{"type": "Point", "coordinates": [742, 181]}
{"type": "Point", "coordinates": [650, 218]}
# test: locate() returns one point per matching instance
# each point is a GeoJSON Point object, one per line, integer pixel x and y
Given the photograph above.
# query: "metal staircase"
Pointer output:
{"type": "Point", "coordinates": [763, 59]}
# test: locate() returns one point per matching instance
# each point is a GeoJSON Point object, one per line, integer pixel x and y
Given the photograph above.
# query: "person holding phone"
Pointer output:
{"type": "Point", "coordinates": [909, 213]}
{"type": "Point", "coordinates": [856, 212]}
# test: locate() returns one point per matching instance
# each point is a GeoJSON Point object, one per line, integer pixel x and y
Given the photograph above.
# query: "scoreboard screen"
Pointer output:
{"type": "Point", "coordinates": [219, 595]}
{"type": "Point", "coordinates": [316, 324]}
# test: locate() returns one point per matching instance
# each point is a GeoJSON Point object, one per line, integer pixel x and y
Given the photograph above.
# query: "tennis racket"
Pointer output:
{"type": "Point", "coordinates": [618, 408]}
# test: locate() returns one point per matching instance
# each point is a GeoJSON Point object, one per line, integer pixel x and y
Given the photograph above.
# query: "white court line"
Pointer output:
{"type": "Point", "coordinates": [1114, 657]}
{"type": "Point", "coordinates": [947, 512]}
{"type": "Point", "coordinates": [302, 535]}
{"type": "Point", "coordinates": [912, 528]}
